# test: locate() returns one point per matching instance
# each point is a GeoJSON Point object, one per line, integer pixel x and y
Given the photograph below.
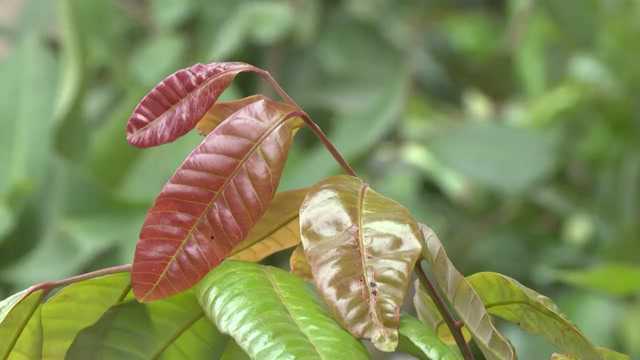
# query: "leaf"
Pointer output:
{"type": "Point", "coordinates": [428, 313]}
{"type": "Point", "coordinates": [615, 279]}
{"type": "Point", "coordinates": [299, 265]}
{"type": "Point", "coordinates": [277, 230]}
{"type": "Point", "coordinates": [174, 106]}
{"type": "Point", "coordinates": [212, 201]}
{"type": "Point", "coordinates": [362, 248]}
{"type": "Point", "coordinates": [46, 331]}
{"type": "Point", "coordinates": [464, 299]}
{"type": "Point", "coordinates": [222, 110]}
{"type": "Point", "coordinates": [172, 328]}
{"type": "Point", "coordinates": [271, 314]}
{"type": "Point", "coordinates": [234, 352]}
{"type": "Point", "coordinates": [420, 341]}
{"type": "Point", "coordinates": [483, 152]}
{"type": "Point", "coordinates": [605, 354]}
{"type": "Point", "coordinates": [15, 313]}
{"type": "Point", "coordinates": [77, 306]}
{"type": "Point", "coordinates": [508, 299]}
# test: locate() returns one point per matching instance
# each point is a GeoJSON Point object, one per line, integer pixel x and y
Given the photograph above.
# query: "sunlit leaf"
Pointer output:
{"type": "Point", "coordinates": [77, 306]}
{"type": "Point", "coordinates": [35, 330]}
{"type": "Point", "coordinates": [299, 265]}
{"type": "Point", "coordinates": [174, 106]}
{"type": "Point", "coordinates": [170, 329]}
{"type": "Point", "coordinates": [506, 298]}
{"type": "Point", "coordinates": [222, 110]}
{"type": "Point", "coordinates": [15, 313]}
{"type": "Point", "coordinates": [465, 301]}
{"type": "Point", "coordinates": [362, 248]}
{"type": "Point", "coordinates": [234, 352]}
{"type": "Point", "coordinates": [277, 230]}
{"type": "Point", "coordinates": [212, 201]}
{"type": "Point", "coordinates": [615, 279]}
{"type": "Point", "coordinates": [419, 340]}
{"type": "Point", "coordinates": [272, 315]}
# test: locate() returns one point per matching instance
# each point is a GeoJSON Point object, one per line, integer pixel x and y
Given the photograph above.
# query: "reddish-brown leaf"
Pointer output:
{"type": "Point", "coordinates": [222, 110]}
{"type": "Point", "coordinates": [174, 106]}
{"type": "Point", "coordinates": [214, 198]}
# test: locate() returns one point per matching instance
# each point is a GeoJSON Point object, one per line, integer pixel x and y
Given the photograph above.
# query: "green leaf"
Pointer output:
{"type": "Point", "coordinates": [605, 354]}
{"type": "Point", "coordinates": [271, 314]}
{"type": "Point", "coordinates": [362, 248]}
{"type": "Point", "coordinates": [464, 299]}
{"type": "Point", "coordinates": [503, 158]}
{"type": "Point", "coordinates": [171, 329]}
{"type": "Point", "coordinates": [77, 306]}
{"type": "Point", "coordinates": [46, 331]}
{"type": "Point", "coordinates": [506, 298]}
{"type": "Point", "coordinates": [422, 342]}
{"type": "Point", "coordinates": [611, 278]}
{"type": "Point", "coordinates": [16, 312]}
{"type": "Point", "coordinates": [234, 352]}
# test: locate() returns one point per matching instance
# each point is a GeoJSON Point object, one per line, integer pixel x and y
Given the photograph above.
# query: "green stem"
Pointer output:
{"type": "Point", "coordinates": [454, 325]}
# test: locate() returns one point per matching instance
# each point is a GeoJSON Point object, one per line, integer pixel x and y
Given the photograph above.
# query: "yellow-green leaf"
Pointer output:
{"type": "Point", "coordinates": [16, 313]}
{"type": "Point", "coordinates": [422, 342]}
{"type": "Point", "coordinates": [506, 298]}
{"type": "Point", "coordinates": [464, 299]}
{"type": "Point", "coordinates": [277, 230]}
{"type": "Point", "coordinates": [299, 265]}
{"type": "Point", "coordinates": [362, 248]}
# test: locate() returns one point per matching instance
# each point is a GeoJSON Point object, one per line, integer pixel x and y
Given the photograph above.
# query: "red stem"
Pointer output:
{"type": "Point", "coordinates": [453, 325]}
{"type": "Point", "coordinates": [47, 286]}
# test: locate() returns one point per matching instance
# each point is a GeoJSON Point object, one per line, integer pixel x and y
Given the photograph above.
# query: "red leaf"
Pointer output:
{"type": "Point", "coordinates": [214, 198]}
{"type": "Point", "coordinates": [177, 103]}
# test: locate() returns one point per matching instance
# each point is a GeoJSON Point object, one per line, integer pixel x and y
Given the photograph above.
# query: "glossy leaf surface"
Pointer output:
{"type": "Point", "coordinates": [272, 315]}
{"type": "Point", "coordinates": [465, 301]}
{"type": "Point", "coordinates": [174, 328]}
{"type": "Point", "coordinates": [222, 110]}
{"type": "Point", "coordinates": [277, 230]}
{"type": "Point", "coordinates": [212, 201]}
{"type": "Point", "coordinates": [299, 265]}
{"type": "Point", "coordinates": [508, 299]}
{"type": "Point", "coordinates": [174, 106]}
{"type": "Point", "coordinates": [362, 248]}
{"type": "Point", "coordinates": [422, 342]}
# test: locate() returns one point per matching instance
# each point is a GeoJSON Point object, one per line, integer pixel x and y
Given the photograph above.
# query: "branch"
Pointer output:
{"type": "Point", "coordinates": [453, 325]}
{"type": "Point", "coordinates": [308, 121]}
{"type": "Point", "coordinates": [47, 286]}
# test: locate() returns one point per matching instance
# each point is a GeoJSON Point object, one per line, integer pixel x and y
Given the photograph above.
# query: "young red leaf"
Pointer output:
{"type": "Point", "coordinates": [177, 103]}
{"type": "Point", "coordinates": [222, 110]}
{"type": "Point", "coordinates": [214, 198]}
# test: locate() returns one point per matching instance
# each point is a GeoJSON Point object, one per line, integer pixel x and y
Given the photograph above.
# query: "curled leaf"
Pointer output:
{"type": "Point", "coordinates": [214, 198]}
{"type": "Point", "coordinates": [299, 265]}
{"type": "Point", "coordinates": [16, 312]}
{"type": "Point", "coordinates": [464, 299]}
{"type": "Point", "coordinates": [272, 315]}
{"type": "Point", "coordinates": [362, 248]}
{"type": "Point", "coordinates": [222, 110]}
{"type": "Point", "coordinates": [508, 299]}
{"type": "Point", "coordinates": [174, 106]}
{"type": "Point", "coordinates": [277, 230]}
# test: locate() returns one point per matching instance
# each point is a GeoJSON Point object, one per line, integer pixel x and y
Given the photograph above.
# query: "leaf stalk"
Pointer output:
{"type": "Point", "coordinates": [454, 326]}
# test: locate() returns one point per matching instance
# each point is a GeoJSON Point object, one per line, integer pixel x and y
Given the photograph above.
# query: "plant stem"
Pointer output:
{"type": "Point", "coordinates": [308, 121]}
{"type": "Point", "coordinates": [453, 325]}
{"type": "Point", "coordinates": [47, 286]}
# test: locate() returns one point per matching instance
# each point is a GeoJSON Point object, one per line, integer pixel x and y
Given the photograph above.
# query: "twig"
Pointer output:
{"type": "Point", "coordinates": [454, 325]}
{"type": "Point", "coordinates": [47, 286]}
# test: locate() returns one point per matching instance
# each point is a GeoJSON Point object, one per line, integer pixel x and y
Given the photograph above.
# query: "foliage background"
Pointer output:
{"type": "Point", "coordinates": [511, 127]}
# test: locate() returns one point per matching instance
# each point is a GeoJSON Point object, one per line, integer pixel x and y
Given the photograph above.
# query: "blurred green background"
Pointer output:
{"type": "Point", "coordinates": [512, 127]}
